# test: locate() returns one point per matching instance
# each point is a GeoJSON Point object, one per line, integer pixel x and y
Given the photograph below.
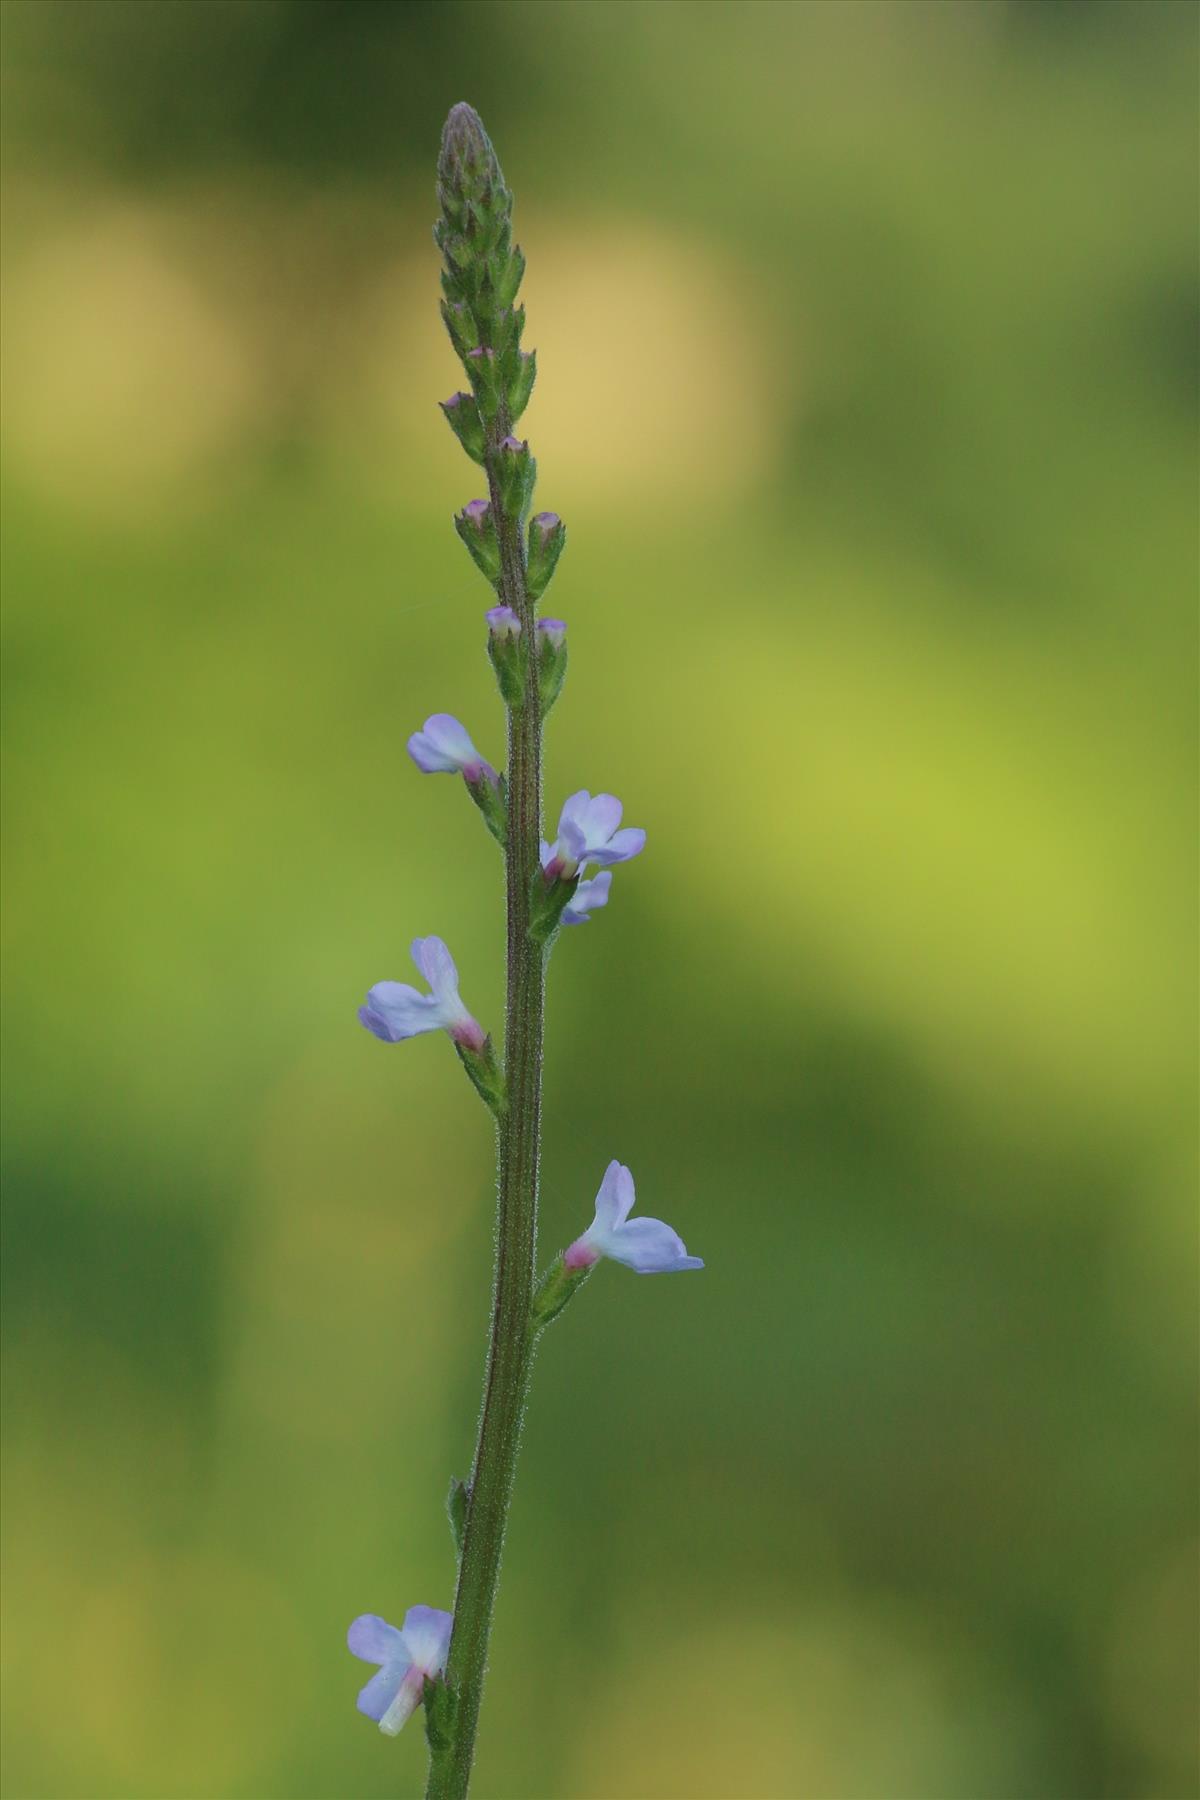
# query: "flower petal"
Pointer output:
{"type": "Point", "coordinates": [428, 757]}
{"type": "Point", "coordinates": [381, 1691]}
{"type": "Point", "coordinates": [437, 966]}
{"type": "Point", "coordinates": [451, 738]}
{"type": "Point", "coordinates": [601, 817]}
{"type": "Point", "coordinates": [587, 897]}
{"type": "Point", "coordinates": [395, 1011]}
{"type": "Point", "coordinates": [620, 847]}
{"type": "Point", "coordinates": [573, 809]}
{"type": "Point", "coordinates": [374, 1640]}
{"type": "Point", "coordinates": [649, 1247]}
{"type": "Point", "coordinates": [571, 844]}
{"type": "Point", "coordinates": [409, 1696]}
{"type": "Point", "coordinates": [614, 1202]}
{"type": "Point", "coordinates": [427, 1637]}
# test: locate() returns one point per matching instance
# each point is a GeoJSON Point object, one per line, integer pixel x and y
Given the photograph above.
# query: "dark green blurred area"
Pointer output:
{"type": "Point", "coordinates": [867, 338]}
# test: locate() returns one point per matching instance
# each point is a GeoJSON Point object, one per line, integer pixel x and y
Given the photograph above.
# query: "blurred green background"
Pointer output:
{"type": "Point", "coordinates": [867, 336]}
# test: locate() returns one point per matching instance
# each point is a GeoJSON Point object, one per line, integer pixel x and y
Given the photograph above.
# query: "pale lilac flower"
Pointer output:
{"type": "Point", "coordinates": [554, 631]}
{"type": "Point", "coordinates": [645, 1245]}
{"type": "Point", "coordinates": [405, 1657]}
{"type": "Point", "coordinates": [587, 832]}
{"type": "Point", "coordinates": [395, 1011]}
{"type": "Point", "coordinates": [443, 747]}
{"type": "Point", "coordinates": [502, 622]}
{"type": "Point", "coordinates": [545, 523]}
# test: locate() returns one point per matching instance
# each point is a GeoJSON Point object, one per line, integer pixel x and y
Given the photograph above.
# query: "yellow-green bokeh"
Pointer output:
{"type": "Point", "coordinates": [867, 347]}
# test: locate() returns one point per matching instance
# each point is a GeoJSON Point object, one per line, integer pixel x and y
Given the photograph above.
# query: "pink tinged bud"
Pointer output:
{"type": "Point", "coordinates": [502, 622]}
{"type": "Point", "coordinates": [557, 867]}
{"type": "Point", "coordinates": [554, 631]}
{"type": "Point", "coordinates": [514, 445]}
{"type": "Point", "coordinates": [455, 400]}
{"type": "Point", "coordinates": [580, 1255]}
{"type": "Point", "coordinates": [545, 523]}
{"type": "Point", "coordinates": [481, 354]}
{"type": "Point", "coordinates": [476, 513]}
{"type": "Point", "coordinates": [470, 1034]}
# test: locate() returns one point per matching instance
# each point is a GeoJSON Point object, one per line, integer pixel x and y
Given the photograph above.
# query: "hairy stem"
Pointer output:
{"type": "Point", "coordinates": [509, 1352]}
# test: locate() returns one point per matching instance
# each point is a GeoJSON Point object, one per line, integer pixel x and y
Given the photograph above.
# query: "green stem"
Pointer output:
{"type": "Point", "coordinates": [510, 1349]}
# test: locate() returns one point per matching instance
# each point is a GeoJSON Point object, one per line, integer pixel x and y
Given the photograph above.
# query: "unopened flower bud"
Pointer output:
{"type": "Point", "coordinates": [467, 165]}
{"type": "Point", "coordinates": [552, 660]}
{"type": "Point", "coordinates": [462, 415]}
{"type": "Point", "coordinates": [518, 472]}
{"type": "Point", "coordinates": [507, 653]}
{"type": "Point", "coordinates": [547, 535]}
{"type": "Point", "coordinates": [508, 278]}
{"type": "Point", "coordinates": [460, 326]}
{"type": "Point", "coordinates": [510, 322]}
{"type": "Point", "coordinates": [483, 269]}
{"type": "Point", "coordinates": [520, 386]}
{"type": "Point", "coordinates": [481, 367]}
{"type": "Point", "coordinates": [477, 529]}
{"type": "Point", "coordinates": [502, 621]}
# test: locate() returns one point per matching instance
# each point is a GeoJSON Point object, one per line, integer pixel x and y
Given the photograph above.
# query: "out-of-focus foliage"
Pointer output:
{"type": "Point", "coordinates": [867, 337]}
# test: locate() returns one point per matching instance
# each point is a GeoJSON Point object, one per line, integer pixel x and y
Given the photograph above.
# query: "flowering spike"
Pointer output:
{"type": "Point", "coordinates": [483, 269]}
{"type": "Point", "coordinates": [547, 885]}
